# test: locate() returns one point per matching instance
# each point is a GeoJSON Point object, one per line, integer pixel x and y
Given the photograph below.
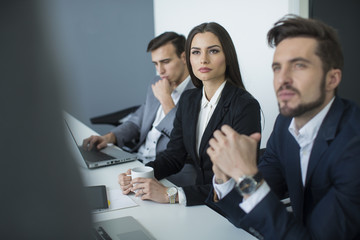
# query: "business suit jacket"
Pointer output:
{"type": "Point", "coordinates": [140, 122]}
{"type": "Point", "coordinates": [328, 207]}
{"type": "Point", "coordinates": [236, 108]}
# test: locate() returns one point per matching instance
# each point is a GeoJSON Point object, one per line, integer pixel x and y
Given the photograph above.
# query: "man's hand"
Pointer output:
{"type": "Point", "coordinates": [232, 153]}
{"type": "Point", "coordinates": [220, 176]}
{"type": "Point", "coordinates": [162, 91]}
{"type": "Point", "coordinates": [150, 189]}
{"type": "Point", "coordinates": [99, 142]}
{"type": "Point", "coordinates": [124, 180]}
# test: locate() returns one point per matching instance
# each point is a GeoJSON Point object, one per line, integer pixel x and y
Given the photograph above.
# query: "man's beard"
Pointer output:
{"type": "Point", "coordinates": [305, 107]}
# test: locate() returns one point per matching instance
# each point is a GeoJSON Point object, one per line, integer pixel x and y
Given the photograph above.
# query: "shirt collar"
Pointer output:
{"type": "Point", "coordinates": [215, 99]}
{"type": "Point", "coordinates": [309, 131]}
{"type": "Point", "coordinates": [179, 89]}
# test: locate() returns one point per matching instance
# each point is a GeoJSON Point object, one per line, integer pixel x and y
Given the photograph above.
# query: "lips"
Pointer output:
{"type": "Point", "coordinates": [285, 94]}
{"type": "Point", "coordinates": [204, 70]}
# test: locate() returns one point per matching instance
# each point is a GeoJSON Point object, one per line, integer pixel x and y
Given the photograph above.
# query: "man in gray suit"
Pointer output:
{"type": "Point", "coordinates": [152, 123]}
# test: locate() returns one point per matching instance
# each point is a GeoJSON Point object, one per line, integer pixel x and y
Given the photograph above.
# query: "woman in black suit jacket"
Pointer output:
{"type": "Point", "coordinates": [214, 70]}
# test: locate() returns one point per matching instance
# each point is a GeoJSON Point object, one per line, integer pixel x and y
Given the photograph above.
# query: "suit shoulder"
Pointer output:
{"type": "Point", "coordinates": [191, 93]}
{"type": "Point", "coordinates": [244, 97]}
{"type": "Point", "coordinates": [351, 115]}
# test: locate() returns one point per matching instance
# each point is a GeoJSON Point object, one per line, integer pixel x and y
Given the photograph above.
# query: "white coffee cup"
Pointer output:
{"type": "Point", "coordinates": [142, 172]}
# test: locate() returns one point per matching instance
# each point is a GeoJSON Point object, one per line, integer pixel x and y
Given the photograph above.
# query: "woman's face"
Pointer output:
{"type": "Point", "coordinates": [207, 58]}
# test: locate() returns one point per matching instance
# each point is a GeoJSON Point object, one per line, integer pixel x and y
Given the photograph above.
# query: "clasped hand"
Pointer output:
{"type": "Point", "coordinates": [146, 188]}
{"type": "Point", "coordinates": [233, 154]}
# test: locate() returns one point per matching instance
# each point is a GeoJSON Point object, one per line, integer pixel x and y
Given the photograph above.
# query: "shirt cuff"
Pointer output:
{"type": "Point", "coordinates": [224, 188]}
{"type": "Point", "coordinates": [250, 203]}
{"type": "Point", "coordinates": [182, 196]}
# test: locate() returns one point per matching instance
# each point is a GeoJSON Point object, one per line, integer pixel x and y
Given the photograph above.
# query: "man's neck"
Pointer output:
{"type": "Point", "coordinates": [300, 121]}
{"type": "Point", "coordinates": [176, 84]}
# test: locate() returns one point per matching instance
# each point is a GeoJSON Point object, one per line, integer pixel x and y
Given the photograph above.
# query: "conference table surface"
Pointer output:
{"type": "Point", "coordinates": [164, 221]}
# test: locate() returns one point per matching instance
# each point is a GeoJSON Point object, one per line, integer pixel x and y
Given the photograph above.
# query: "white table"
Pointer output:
{"type": "Point", "coordinates": [164, 221]}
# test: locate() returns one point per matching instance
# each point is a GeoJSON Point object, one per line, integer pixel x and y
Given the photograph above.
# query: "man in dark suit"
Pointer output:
{"type": "Point", "coordinates": [313, 153]}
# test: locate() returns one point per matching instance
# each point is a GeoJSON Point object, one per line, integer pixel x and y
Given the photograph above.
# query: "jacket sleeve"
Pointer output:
{"type": "Point", "coordinates": [336, 215]}
{"type": "Point", "coordinates": [130, 129]}
{"type": "Point", "coordinates": [171, 160]}
{"type": "Point", "coordinates": [167, 123]}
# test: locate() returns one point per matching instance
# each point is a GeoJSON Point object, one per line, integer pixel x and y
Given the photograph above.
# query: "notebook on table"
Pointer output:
{"type": "Point", "coordinates": [121, 228]}
{"type": "Point", "coordinates": [100, 158]}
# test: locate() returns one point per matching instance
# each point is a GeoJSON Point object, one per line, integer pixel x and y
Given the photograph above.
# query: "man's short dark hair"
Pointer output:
{"type": "Point", "coordinates": [176, 39]}
{"type": "Point", "coordinates": [328, 45]}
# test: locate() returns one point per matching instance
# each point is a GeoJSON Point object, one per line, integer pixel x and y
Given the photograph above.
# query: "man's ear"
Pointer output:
{"type": "Point", "coordinates": [333, 79]}
{"type": "Point", "coordinates": [183, 58]}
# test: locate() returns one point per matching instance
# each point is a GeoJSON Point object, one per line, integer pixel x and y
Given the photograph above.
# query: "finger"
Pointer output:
{"type": "Point", "coordinates": [138, 180]}
{"type": "Point", "coordinates": [101, 145]}
{"type": "Point", "coordinates": [213, 143]}
{"type": "Point", "coordinates": [210, 152]}
{"type": "Point", "coordinates": [85, 143]}
{"type": "Point", "coordinates": [124, 182]}
{"type": "Point", "coordinates": [128, 172]}
{"type": "Point", "coordinates": [126, 191]}
{"type": "Point", "coordinates": [92, 141]}
{"type": "Point", "coordinates": [227, 130]}
{"type": "Point", "coordinates": [126, 187]}
{"type": "Point", "coordinates": [256, 136]}
{"type": "Point", "coordinates": [136, 187]}
{"type": "Point", "coordinates": [216, 145]}
{"type": "Point", "coordinates": [123, 179]}
{"type": "Point", "coordinates": [145, 196]}
{"type": "Point", "coordinates": [218, 135]}
{"type": "Point", "coordinates": [139, 192]}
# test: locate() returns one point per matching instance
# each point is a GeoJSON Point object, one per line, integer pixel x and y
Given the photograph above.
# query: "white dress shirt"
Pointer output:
{"type": "Point", "coordinates": [305, 138]}
{"type": "Point", "coordinates": [147, 151]}
{"type": "Point", "coordinates": [206, 111]}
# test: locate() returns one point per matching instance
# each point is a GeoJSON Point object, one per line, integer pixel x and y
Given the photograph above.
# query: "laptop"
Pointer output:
{"type": "Point", "coordinates": [121, 228]}
{"type": "Point", "coordinates": [105, 157]}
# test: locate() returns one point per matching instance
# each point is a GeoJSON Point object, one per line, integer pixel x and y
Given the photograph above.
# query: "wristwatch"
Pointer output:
{"type": "Point", "coordinates": [171, 192]}
{"type": "Point", "coordinates": [247, 185]}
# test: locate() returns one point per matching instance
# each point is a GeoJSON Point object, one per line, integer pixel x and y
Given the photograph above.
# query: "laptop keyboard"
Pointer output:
{"type": "Point", "coordinates": [100, 234]}
{"type": "Point", "coordinates": [94, 155]}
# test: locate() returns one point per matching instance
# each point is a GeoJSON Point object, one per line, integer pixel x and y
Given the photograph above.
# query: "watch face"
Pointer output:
{"type": "Point", "coordinates": [171, 191]}
{"type": "Point", "coordinates": [247, 186]}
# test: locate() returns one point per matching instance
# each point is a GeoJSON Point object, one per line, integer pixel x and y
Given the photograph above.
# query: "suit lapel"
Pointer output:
{"type": "Point", "coordinates": [327, 132]}
{"type": "Point", "coordinates": [219, 113]}
{"type": "Point", "coordinates": [192, 116]}
{"type": "Point", "coordinates": [293, 170]}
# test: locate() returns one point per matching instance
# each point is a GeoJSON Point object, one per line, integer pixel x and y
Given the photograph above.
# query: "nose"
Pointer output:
{"type": "Point", "coordinates": [204, 59]}
{"type": "Point", "coordinates": [161, 68]}
{"type": "Point", "coordinates": [283, 77]}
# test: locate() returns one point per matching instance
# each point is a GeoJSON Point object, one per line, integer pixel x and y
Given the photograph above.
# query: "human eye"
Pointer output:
{"type": "Point", "coordinates": [300, 65]}
{"type": "Point", "coordinates": [214, 51]}
{"type": "Point", "coordinates": [276, 68]}
{"type": "Point", "coordinates": [195, 52]}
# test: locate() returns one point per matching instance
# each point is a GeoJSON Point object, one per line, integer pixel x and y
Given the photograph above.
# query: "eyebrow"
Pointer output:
{"type": "Point", "coordinates": [207, 47]}
{"type": "Point", "coordinates": [297, 59]}
{"type": "Point", "coordinates": [162, 60]}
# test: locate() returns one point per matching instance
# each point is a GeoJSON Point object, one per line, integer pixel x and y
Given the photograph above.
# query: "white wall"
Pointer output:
{"type": "Point", "coordinates": [247, 22]}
